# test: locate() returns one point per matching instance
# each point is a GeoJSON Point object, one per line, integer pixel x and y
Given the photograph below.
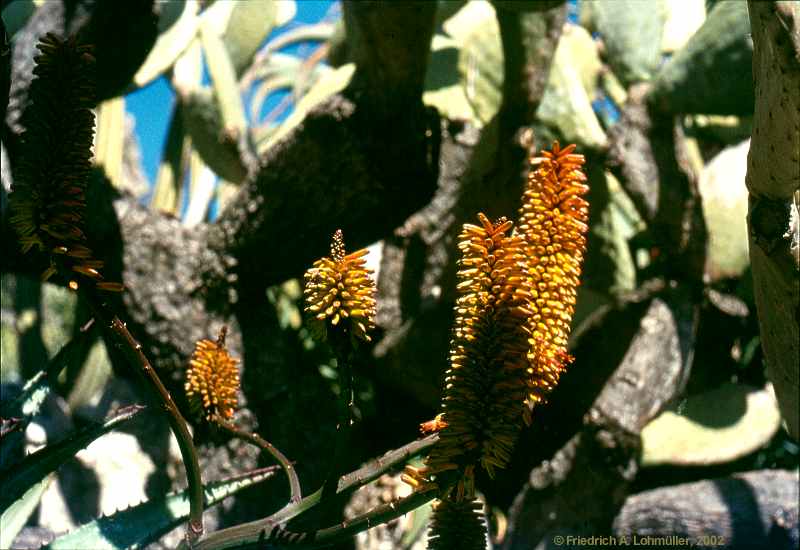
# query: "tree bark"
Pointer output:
{"type": "Point", "coordinates": [773, 180]}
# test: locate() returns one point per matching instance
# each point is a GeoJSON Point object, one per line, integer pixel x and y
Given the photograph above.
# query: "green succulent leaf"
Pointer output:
{"type": "Point", "coordinates": [218, 148]}
{"type": "Point", "coordinates": [140, 525]}
{"type": "Point", "coordinates": [712, 73]}
{"type": "Point", "coordinates": [223, 78]}
{"type": "Point", "coordinates": [27, 404]}
{"type": "Point", "coordinates": [712, 428]}
{"type": "Point", "coordinates": [248, 26]}
{"type": "Point", "coordinates": [566, 103]}
{"type": "Point", "coordinates": [16, 516]}
{"type": "Point", "coordinates": [622, 25]}
{"type": "Point", "coordinates": [170, 44]}
{"type": "Point", "coordinates": [19, 478]}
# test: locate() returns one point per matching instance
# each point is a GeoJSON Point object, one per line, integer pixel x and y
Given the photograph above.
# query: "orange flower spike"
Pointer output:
{"type": "Point", "coordinates": [212, 380]}
{"type": "Point", "coordinates": [339, 287]}
{"type": "Point", "coordinates": [553, 222]}
{"type": "Point", "coordinates": [485, 386]}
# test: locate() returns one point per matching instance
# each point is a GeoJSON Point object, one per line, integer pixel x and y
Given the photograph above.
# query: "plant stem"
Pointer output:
{"type": "Point", "coordinates": [291, 474]}
{"type": "Point", "coordinates": [376, 516]}
{"type": "Point", "coordinates": [136, 358]}
{"type": "Point", "coordinates": [344, 355]}
{"type": "Point", "coordinates": [251, 533]}
{"type": "Point", "coordinates": [376, 467]}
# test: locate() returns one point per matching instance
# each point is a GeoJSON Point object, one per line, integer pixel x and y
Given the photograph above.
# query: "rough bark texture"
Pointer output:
{"type": "Point", "coordinates": [648, 154]}
{"type": "Point", "coordinates": [773, 179]}
{"type": "Point", "coordinates": [641, 370]}
{"type": "Point", "coordinates": [750, 510]}
{"type": "Point", "coordinates": [358, 162]}
{"type": "Point", "coordinates": [377, 164]}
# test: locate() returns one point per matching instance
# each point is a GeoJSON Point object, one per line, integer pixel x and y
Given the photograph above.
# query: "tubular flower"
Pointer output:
{"type": "Point", "coordinates": [48, 195]}
{"type": "Point", "coordinates": [553, 220]}
{"type": "Point", "coordinates": [485, 386]}
{"type": "Point", "coordinates": [338, 290]}
{"type": "Point", "coordinates": [212, 380]}
{"type": "Point", "coordinates": [457, 525]}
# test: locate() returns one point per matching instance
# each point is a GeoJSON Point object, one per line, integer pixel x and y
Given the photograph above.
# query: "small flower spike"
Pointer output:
{"type": "Point", "coordinates": [48, 200]}
{"type": "Point", "coordinates": [212, 380]}
{"type": "Point", "coordinates": [457, 525]}
{"type": "Point", "coordinates": [553, 223]}
{"type": "Point", "coordinates": [340, 294]}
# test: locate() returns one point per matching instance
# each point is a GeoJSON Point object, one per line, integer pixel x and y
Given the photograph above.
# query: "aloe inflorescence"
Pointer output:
{"type": "Point", "coordinates": [212, 380]}
{"type": "Point", "coordinates": [340, 294]}
{"type": "Point", "coordinates": [48, 199]}
{"type": "Point", "coordinates": [457, 526]}
{"type": "Point", "coordinates": [553, 220]}
{"type": "Point", "coordinates": [515, 299]}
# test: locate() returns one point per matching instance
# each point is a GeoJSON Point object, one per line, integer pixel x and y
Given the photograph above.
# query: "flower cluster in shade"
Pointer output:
{"type": "Point", "coordinates": [48, 198]}
{"type": "Point", "coordinates": [457, 525]}
{"type": "Point", "coordinates": [515, 300]}
{"type": "Point", "coordinates": [340, 293]}
{"type": "Point", "coordinates": [212, 380]}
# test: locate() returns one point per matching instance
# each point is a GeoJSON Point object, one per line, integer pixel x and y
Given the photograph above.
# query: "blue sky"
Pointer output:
{"type": "Point", "coordinates": [152, 105]}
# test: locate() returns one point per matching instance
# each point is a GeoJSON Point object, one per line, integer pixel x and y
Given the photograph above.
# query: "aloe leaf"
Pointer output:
{"type": "Point", "coordinates": [142, 524]}
{"type": "Point", "coordinates": [34, 467]}
{"type": "Point", "coordinates": [169, 45]}
{"type": "Point", "coordinates": [30, 400]}
{"type": "Point", "coordinates": [15, 517]}
{"type": "Point", "coordinates": [16, 15]}
{"type": "Point", "coordinates": [37, 388]}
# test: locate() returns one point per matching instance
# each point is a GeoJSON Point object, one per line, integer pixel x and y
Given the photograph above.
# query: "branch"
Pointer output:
{"type": "Point", "coordinates": [529, 41]}
{"type": "Point", "coordinates": [256, 532]}
{"type": "Point", "coordinates": [772, 168]}
{"type": "Point", "coordinates": [286, 465]}
{"type": "Point", "coordinates": [351, 164]}
{"type": "Point", "coordinates": [391, 43]}
{"type": "Point", "coordinates": [748, 510]}
{"type": "Point", "coordinates": [133, 353]}
{"type": "Point", "coordinates": [648, 154]}
{"type": "Point", "coordinates": [592, 423]}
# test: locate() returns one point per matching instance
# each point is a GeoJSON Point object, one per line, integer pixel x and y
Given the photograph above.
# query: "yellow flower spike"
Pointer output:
{"type": "Point", "coordinates": [47, 201]}
{"type": "Point", "coordinates": [212, 380]}
{"type": "Point", "coordinates": [340, 292]}
{"type": "Point", "coordinates": [485, 386]}
{"type": "Point", "coordinates": [553, 220]}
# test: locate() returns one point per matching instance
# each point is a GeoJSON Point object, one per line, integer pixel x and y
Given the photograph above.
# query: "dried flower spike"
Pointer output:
{"type": "Point", "coordinates": [485, 386]}
{"type": "Point", "coordinates": [339, 292]}
{"type": "Point", "coordinates": [553, 220]}
{"type": "Point", "coordinates": [212, 380]}
{"type": "Point", "coordinates": [457, 525]}
{"type": "Point", "coordinates": [48, 195]}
